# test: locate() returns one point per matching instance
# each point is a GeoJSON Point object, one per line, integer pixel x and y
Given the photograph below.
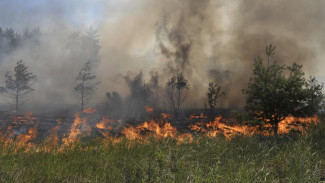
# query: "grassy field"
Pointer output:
{"type": "Point", "coordinates": [290, 158]}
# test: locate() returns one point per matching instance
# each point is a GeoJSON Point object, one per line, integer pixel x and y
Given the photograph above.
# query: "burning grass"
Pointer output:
{"type": "Point", "coordinates": [23, 130]}
{"type": "Point", "coordinates": [157, 151]}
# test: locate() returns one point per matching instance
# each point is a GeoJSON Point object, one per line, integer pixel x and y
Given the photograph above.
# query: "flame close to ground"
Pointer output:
{"type": "Point", "coordinates": [24, 129]}
{"type": "Point", "coordinates": [148, 108]}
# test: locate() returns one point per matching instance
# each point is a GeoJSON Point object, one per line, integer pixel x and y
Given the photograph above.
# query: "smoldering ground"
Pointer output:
{"type": "Point", "coordinates": [205, 40]}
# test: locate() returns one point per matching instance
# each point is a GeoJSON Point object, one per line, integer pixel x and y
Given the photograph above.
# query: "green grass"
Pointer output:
{"type": "Point", "coordinates": [290, 158]}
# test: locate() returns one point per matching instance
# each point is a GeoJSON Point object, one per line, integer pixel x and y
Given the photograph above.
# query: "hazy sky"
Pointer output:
{"type": "Point", "coordinates": [20, 14]}
{"type": "Point", "coordinates": [213, 40]}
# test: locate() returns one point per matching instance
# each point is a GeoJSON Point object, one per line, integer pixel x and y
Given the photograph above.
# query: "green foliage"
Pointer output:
{"type": "Point", "coordinates": [277, 91]}
{"type": "Point", "coordinates": [315, 99]}
{"type": "Point", "coordinates": [238, 117]}
{"type": "Point", "coordinates": [19, 85]}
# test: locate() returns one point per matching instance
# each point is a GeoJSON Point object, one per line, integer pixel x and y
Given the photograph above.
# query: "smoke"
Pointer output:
{"type": "Point", "coordinates": [205, 40]}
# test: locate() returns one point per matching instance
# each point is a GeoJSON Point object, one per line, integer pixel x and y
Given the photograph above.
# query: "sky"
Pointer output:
{"type": "Point", "coordinates": [20, 14]}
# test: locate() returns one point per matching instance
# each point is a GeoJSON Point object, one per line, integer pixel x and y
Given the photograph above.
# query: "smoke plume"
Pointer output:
{"type": "Point", "coordinates": [205, 40]}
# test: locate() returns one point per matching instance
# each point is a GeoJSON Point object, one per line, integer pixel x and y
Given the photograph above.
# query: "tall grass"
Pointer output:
{"type": "Point", "coordinates": [290, 158]}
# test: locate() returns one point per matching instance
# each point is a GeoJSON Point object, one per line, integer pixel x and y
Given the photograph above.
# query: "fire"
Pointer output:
{"type": "Point", "coordinates": [166, 116]}
{"type": "Point", "coordinates": [53, 140]}
{"type": "Point", "coordinates": [185, 138]}
{"type": "Point", "coordinates": [156, 129]}
{"type": "Point", "coordinates": [148, 108]}
{"type": "Point", "coordinates": [24, 130]}
{"type": "Point", "coordinates": [78, 127]}
{"type": "Point", "coordinates": [105, 126]}
{"type": "Point", "coordinates": [89, 110]}
{"type": "Point", "coordinates": [201, 116]}
{"type": "Point", "coordinates": [215, 127]}
{"type": "Point", "coordinates": [26, 139]}
{"type": "Point", "coordinates": [291, 123]}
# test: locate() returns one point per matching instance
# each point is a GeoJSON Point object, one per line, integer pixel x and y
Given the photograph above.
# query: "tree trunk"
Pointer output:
{"type": "Point", "coordinates": [82, 95]}
{"type": "Point", "coordinates": [275, 128]}
{"type": "Point", "coordinates": [211, 113]}
{"type": "Point", "coordinates": [82, 101]}
{"type": "Point", "coordinates": [82, 104]}
{"type": "Point", "coordinates": [17, 100]}
{"type": "Point", "coordinates": [178, 103]}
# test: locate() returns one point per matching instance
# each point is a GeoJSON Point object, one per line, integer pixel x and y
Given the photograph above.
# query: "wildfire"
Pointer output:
{"type": "Point", "coordinates": [148, 108]}
{"type": "Point", "coordinates": [153, 128]}
{"type": "Point", "coordinates": [89, 110]}
{"type": "Point", "coordinates": [166, 116]}
{"type": "Point", "coordinates": [201, 116]}
{"type": "Point", "coordinates": [24, 129]}
{"type": "Point", "coordinates": [78, 127]}
{"type": "Point", "coordinates": [105, 126]}
{"type": "Point", "coordinates": [217, 127]}
{"type": "Point", "coordinates": [53, 140]}
{"type": "Point", "coordinates": [291, 123]}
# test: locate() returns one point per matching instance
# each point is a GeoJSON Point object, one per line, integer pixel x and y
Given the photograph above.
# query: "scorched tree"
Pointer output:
{"type": "Point", "coordinates": [177, 91]}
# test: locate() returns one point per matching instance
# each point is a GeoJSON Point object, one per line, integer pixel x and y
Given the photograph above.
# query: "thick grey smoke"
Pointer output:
{"type": "Point", "coordinates": [205, 40]}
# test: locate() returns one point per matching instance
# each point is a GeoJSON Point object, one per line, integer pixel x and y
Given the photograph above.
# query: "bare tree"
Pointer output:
{"type": "Point", "coordinates": [85, 85]}
{"type": "Point", "coordinates": [177, 90]}
{"type": "Point", "coordinates": [18, 86]}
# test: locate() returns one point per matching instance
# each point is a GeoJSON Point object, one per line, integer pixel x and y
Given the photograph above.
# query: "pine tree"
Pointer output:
{"type": "Point", "coordinates": [19, 85]}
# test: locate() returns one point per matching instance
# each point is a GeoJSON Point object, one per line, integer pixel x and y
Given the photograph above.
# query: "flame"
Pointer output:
{"type": "Point", "coordinates": [25, 139]}
{"type": "Point", "coordinates": [53, 139]}
{"type": "Point", "coordinates": [217, 127]}
{"type": "Point", "coordinates": [185, 138]}
{"type": "Point", "coordinates": [78, 127]}
{"type": "Point", "coordinates": [166, 116]}
{"type": "Point", "coordinates": [148, 108]}
{"type": "Point", "coordinates": [89, 110]}
{"type": "Point", "coordinates": [201, 116]}
{"type": "Point", "coordinates": [159, 131]}
{"type": "Point", "coordinates": [291, 123]}
{"type": "Point", "coordinates": [104, 127]}
{"type": "Point", "coordinates": [104, 124]}
{"type": "Point", "coordinates": [24, 128]}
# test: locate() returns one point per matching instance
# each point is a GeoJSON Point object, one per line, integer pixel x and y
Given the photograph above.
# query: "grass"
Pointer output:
{"type": "Point", "coordinates": [290, 158]}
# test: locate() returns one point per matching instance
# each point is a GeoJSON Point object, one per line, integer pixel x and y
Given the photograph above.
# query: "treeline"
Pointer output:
{"type": "Point", "coordinates": [11, 40]}
{"type": "Point", "coordinates": [274, 91]}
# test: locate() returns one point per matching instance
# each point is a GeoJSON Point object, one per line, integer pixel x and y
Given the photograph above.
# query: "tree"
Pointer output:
{"type": "Point", "coordinates": [276, 91]}
{"type": "Point", "coordinates": [85, 86]}
{"type": "Point", "coordinates": [19, 86]}
{"type": "Point", "coordinates": [213, 95]}
{"type": "Point", "coordinates": [85, 46]}
{"type": "Point", "coordinates": [114, 105]}
{"type": "Point", "coordinates": [315, 96]}
{"type": "Point", "coordinates": [177, 91]}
